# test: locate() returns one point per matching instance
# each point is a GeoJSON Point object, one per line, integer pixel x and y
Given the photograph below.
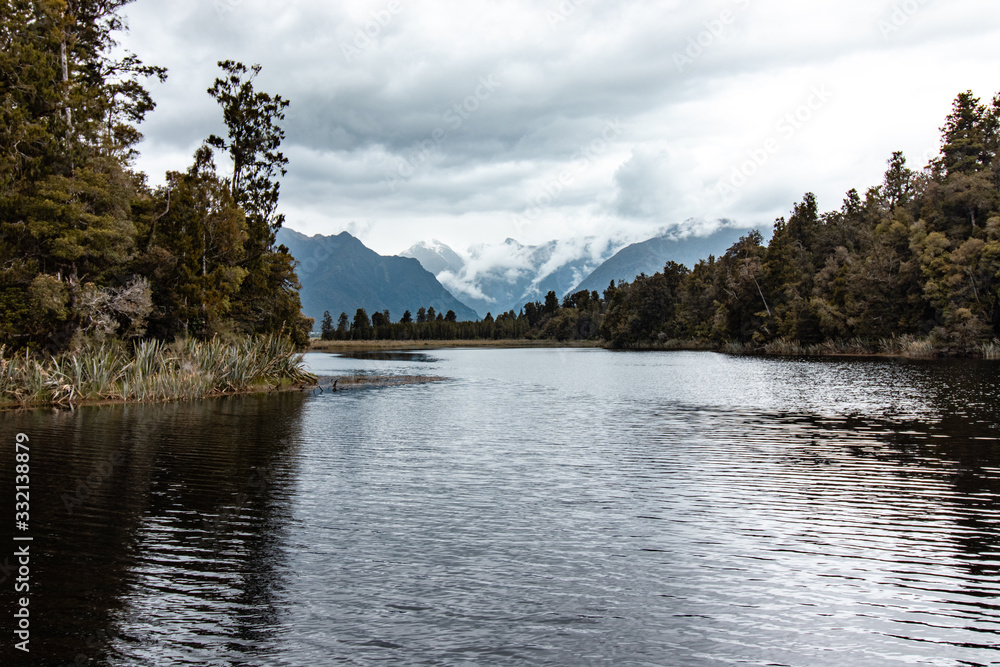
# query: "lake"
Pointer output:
{"type": "Point", "coordinates": [538, 507]}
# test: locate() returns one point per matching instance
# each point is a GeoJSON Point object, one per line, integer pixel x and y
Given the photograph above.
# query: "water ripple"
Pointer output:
{"type": "Point", "coordinates": [549, 507]}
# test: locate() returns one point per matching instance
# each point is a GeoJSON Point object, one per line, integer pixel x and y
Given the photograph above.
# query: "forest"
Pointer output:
{"type": "Point", "coordinates": [911, 267]}
{"type": "Point", "coordinates": [89, 251]}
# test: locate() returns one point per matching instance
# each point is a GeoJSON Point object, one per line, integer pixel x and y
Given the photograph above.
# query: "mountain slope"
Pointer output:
{"type": "Point", "coordinates": [500, 277]}
{"type": "Point", "coordinates": [651, 255]}
{"type": "Point", "coordinates": [340, 274]}
{"type": "Point", "coordinates": [436, 257]}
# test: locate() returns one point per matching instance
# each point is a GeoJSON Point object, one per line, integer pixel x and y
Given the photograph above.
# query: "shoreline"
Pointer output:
{"type": "Point", "coordinates": [318, 345]}
{"type": "Point", "coordinates": [906, 350]}
{"type": "Point", "coordinates": [323, 383]}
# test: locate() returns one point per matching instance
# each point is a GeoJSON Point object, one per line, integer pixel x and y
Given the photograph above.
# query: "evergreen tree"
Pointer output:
{"type": "Point", "coordinates": [193, 250]}
{"type": "Point", "coordinates": [551, 306]}
{"type": "Point", "coordinates": [965, 135]}
{"type": "Point", "coordinates": [327, 330]}
{"type": "Point", "coordinates": [361, 327]}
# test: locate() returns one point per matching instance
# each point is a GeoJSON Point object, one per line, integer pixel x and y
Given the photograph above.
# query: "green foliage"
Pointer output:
{"type": "Point", "coordinates": [327, 330]}
{"type": "Point", "coordinates": [193, 249]}
{"type": "Point", "coordinates": [87, 250]}
{"type": "Point", "coordinates": [254, 138]}
{"type": "Point", "coordinates": [150, 370]}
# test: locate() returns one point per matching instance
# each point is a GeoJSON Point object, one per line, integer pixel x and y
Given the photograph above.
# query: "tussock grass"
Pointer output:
{"type": "Point", "coordinates": [149, 371]}
{"type": "Point", "coordinates": [907, 346]}
{"type": "Point", "coordinates": [736, 347]}
{"type": "Point", "coordinates": [850, 346]}
{"type": "Point", "coordinates": [785, 348]}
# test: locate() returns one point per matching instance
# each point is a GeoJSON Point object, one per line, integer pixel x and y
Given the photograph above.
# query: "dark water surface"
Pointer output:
{"type": "Point", "coordinates": [550, 507]}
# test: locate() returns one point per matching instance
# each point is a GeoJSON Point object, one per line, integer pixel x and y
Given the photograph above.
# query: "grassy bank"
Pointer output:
{"type": "Point", "coordinates": [318, 345]}
{"type": "Point", "coordinates": [149, 371]}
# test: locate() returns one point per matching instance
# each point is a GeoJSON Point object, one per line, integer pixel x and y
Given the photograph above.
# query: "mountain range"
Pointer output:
{"type": "Point", "coordinates": [502, 277]}
{"type": "Point", "coordinates": [651, 255]}
{"type": "Point", "coordinates": [340, 274]}
{"type": "Point", "coordinates": [505, 276]}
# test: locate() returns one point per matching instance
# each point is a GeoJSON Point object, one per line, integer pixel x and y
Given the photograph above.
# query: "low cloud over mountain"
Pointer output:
{"type": "Point", "coordinates": [504, 276]}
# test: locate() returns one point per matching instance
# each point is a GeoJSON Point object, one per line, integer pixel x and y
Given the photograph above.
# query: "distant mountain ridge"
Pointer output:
{"type": "Point", "coordinates": [340, 274]}
{"type": "Point", "coordinates": [651, 255]}
{"type": "Point", "coordinates": [501, 277]}
{"type": "Point", "coordinates": [435, 256]}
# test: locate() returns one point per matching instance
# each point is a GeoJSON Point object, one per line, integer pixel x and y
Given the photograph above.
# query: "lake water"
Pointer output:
{"type": "Point", "coordinates": [539, 507]}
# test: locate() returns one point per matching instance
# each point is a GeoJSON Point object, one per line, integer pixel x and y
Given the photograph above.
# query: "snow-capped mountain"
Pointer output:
{"type": "Point", "coordinates": [496, 278]}
{"type": "Point", "coordinates": [436, 257]}
{"type": "Point", "coordinates": [504, 276]}
{"type": "Point", "coordinates": [651, 255]}
{"type": "Point", "coordinates": [340, 274]}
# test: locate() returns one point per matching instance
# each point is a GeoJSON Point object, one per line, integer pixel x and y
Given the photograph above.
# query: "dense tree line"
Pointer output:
{"type": "Point", "coordinates": [577, 318]}
{"type": "Point", "coordinates": [427, 325]}
{"type": "Point", "coordinates": [916, 256]}
{"type": "Point", "coordinates": [87, 248]}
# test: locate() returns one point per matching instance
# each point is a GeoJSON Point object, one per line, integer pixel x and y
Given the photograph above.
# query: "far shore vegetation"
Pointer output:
{"type": "Point", "coordinates": [348, 346]}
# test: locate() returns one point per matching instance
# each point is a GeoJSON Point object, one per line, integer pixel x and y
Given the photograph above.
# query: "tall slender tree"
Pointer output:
{"type": "Point", "coordinates": [268, 300]}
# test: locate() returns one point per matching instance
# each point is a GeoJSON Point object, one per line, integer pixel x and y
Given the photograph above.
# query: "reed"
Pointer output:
{"type": "Point", "coordinates": [784, 347]}
{"type": "Point", "coordinates": [907, 346]}
{"type": "Point", "coordinates": [991, 350]}
{"type": "Point", "coordinates": [149, 371]}
{"type": "Point", "coordinates": [736, 347]}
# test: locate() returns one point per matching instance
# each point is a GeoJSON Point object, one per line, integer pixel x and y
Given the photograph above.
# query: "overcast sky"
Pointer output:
{"type": "Point", "coordinates": [472, 121]}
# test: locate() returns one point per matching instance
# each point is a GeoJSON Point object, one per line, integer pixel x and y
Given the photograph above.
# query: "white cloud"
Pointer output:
{"type": "Point", "coordinates": [554, 86]}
